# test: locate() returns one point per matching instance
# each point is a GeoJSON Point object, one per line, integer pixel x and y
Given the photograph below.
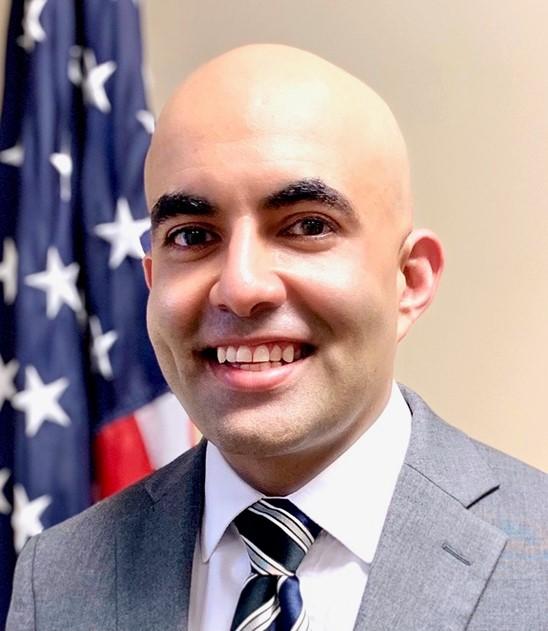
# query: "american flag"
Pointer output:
{"type": "Point", "coordinates": [81, 406]}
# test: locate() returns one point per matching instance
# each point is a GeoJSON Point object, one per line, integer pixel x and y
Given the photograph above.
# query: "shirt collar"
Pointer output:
{"type": "Point", "coordinates": [349, 498]}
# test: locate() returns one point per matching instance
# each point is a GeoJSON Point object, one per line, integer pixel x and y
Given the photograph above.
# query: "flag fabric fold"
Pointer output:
{"type": "Point", "coordinates": [76, 366]}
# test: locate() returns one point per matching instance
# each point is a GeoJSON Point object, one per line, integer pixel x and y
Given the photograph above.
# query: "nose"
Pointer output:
{"type": "Point", "coordinates": [248, 282]}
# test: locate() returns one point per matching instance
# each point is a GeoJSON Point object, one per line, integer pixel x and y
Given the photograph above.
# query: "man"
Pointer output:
{"type": "Point", "coordinates": [284, 270]}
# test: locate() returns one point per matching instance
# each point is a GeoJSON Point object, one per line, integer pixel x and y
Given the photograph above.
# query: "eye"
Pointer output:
{"type": "Point", "coordinates": [310, 227]}
{"type": "Point", "coordinates": [191, 237]}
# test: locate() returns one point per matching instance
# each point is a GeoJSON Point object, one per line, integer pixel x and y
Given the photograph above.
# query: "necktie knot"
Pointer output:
{"type": "Point", "coordinates": [277, 536]}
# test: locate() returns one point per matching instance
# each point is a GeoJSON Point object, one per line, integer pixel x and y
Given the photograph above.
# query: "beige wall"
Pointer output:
{"type": "Point", "coordinates": [468, 82]}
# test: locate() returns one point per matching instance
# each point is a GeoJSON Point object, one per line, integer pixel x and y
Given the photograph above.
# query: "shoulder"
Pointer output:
{"type": "Point", "coordinates": [95, 527]}
{"type": "Point", "coordinates": [513, 471]}
{"type": "Point", "coordinates": [496, 489]}
{"type": "Point", "coordinates": [520, 506]}
{"type": "Point", "coordinates": [458, 462]}
{"type": "Point", "coordinates": [74, 564]}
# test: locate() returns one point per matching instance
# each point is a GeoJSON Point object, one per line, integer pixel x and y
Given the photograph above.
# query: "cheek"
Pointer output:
{"type": "Point", "coordinates": [345, 292]}
{"type": "Point", "coordinates": [174, 307]}
{"type": "Point", "coordinates": [172, 319]}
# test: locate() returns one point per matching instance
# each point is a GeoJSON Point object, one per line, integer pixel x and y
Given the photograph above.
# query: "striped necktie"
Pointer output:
{"type": "Point", "coordinates": [277, 535]}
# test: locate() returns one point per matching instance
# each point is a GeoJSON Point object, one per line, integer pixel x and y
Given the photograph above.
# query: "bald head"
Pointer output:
{"type": "Point", "coordinates": [278, 90]}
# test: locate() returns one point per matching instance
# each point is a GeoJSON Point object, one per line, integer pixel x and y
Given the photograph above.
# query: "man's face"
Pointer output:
{"type": "Point", "coordinates": [269, 237]}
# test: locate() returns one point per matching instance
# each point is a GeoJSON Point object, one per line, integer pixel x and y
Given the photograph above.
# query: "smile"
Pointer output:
{"type": "Point", "coordinates": [257, 357]}
{"type": "Point", "coordinates": [263, 366]}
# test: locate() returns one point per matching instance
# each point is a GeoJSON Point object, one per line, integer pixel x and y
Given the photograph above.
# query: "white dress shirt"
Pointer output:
{"type": "Point", "coordinates": [349, 500]}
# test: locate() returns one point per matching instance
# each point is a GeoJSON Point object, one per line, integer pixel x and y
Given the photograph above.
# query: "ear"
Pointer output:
{"type": "Point", "coordinates": [147, 269]}
{"type": "Point", "coordinates": [421, 265]}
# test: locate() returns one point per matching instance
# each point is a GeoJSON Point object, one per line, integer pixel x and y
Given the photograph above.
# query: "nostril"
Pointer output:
{"type": "Point", "coordinates": [247, 297]}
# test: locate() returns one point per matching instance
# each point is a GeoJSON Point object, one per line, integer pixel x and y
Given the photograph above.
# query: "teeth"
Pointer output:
{"type": "Point", "coordinates": [261, 354]}
{"type": "Point", "coordinates": [251, 367]}
{"type": "Point", "coordinates": [260, 358]}
{"type": "Point", "coordinates": [244, 355]}
{"type": "Point", "coordinates": [288, 354]}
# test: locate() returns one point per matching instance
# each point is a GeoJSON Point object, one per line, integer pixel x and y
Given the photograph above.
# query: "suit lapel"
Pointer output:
{"type": "Point", "coordinates": [435, 555]}
{"type": "Point", "coordinates": [155, 548]}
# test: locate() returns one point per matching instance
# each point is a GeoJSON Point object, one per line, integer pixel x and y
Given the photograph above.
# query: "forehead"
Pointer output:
{"type": "Point", "coordinates": [247, 167]}
{"type": "Point", "coordinates": [245, 145]}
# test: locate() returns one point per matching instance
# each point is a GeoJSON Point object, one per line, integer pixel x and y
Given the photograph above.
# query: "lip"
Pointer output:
{"type": "Point", "coordinates": [249, 381]}
{"type": "Point", "coordinates": [254, 341]}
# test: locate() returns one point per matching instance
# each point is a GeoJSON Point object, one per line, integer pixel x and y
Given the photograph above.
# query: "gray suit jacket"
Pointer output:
{"type": "Point", "coordinates": [464, 546]}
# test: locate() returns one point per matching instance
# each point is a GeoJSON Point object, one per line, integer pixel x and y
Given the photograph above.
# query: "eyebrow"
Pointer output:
{"type": "Point", "coordinates": [316, 190]}
{"type": "Point", "coordinates": [309, 190]}
{"type": "Point", "coordinates": [176, 204]}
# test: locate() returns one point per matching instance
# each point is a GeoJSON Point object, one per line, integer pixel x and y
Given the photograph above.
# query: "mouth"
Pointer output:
{"type": "Point", "coordinates": [263, 366]}
{"type": "Point", "coordinates": [258, 357]}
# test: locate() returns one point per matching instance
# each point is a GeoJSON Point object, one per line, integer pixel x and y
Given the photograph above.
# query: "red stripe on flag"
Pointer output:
{"type": "Point", "coordinates": [120, 456]}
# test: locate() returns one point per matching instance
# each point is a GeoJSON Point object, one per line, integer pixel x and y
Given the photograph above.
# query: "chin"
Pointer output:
{"type": "Point", "coordinates": [255, 442]}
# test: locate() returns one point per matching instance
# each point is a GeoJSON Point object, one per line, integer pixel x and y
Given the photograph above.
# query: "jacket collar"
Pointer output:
{"type": "Point", "coordinates": [155, 548]}
{"type": "Point", "coordinates": [445, 456]}
{"type": "Point", "coordinates": [435, 555]}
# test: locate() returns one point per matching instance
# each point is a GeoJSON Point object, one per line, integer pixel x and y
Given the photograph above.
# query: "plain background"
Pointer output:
{"type": "Point", "coordinates": [468, 82]}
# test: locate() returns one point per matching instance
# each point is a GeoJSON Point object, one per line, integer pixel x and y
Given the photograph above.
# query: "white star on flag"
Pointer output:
{"type": "Point", "coordinates": [39, 401]}
{"type": "Point", "coordinates": [93, 84]}
{"type": "Point", "coordinates": [8, 271]}
{"type": "Point", "coordinates": [32, 29]}
{"type": "Point", "coordinates": [62, 162]}
{"type": "Point", "coordinates": [101, 344]}
{"type": "Point", "coordinates": [13, 156]}
{"type": "Point", "coordinates": [25, 520]}
{"type": "Point", "coordinates": [5, 508]}
{"type": "Point", "coordinates": [146, 119]}
{"type": "Point", "coordinates": [123, 234]}
{"type": "Point", "coordinates": [59, 283]}
{"type": "Point", "coordinates": [7, 375]}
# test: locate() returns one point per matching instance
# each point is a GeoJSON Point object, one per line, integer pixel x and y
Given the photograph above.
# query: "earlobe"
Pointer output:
{"type": "Point", "coordinates": [147, 269]}
{"type": "Point", "coordinates": [420, 272]}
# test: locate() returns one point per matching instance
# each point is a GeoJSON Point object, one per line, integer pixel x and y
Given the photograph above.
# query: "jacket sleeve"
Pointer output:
{"type": "Point", "coordinates": [21, 614]}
